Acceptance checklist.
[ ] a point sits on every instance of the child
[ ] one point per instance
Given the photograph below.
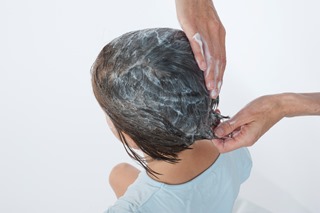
(153, 93)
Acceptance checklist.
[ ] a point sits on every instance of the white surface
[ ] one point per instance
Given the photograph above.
(56, 151)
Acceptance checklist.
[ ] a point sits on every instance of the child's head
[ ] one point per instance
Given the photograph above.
(149, 85)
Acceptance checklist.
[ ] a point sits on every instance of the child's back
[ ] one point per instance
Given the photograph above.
(153, 92)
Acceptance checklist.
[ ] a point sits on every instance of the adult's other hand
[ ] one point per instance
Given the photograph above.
(206, 34)
(250, 123)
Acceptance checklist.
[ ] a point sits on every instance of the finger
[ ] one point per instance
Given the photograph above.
(216, 76)
(218, 81)
(223, 48)
(218, 59)
(212, 52)
(197, 47)
(226, 127)
(228, 146)
(196, 43)
(218, 73)
(208, 74)
(242, 138)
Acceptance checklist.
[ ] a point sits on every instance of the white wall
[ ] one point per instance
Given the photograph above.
(56, 151)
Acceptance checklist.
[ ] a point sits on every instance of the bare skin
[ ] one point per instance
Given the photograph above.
(255, 119)
(121, 177)
(193, 162)
(206, 34)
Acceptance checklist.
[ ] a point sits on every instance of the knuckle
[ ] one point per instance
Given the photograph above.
(216, 26)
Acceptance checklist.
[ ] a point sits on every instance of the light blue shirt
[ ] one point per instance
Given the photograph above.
(214, 190)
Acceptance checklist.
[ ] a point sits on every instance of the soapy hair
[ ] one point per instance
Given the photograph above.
(152, 89)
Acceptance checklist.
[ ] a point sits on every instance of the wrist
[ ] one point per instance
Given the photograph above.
(298, 104)
(286, 103)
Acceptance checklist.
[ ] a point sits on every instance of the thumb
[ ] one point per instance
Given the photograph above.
(226, 127)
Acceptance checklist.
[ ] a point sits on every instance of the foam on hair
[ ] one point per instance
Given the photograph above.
(151, 87)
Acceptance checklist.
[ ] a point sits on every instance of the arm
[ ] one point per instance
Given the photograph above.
(302, 104)
(206, 34)
(250, 123)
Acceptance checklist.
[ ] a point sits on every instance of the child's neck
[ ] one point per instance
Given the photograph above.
(193, 162)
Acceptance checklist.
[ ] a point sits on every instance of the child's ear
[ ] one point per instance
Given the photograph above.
(130, 141)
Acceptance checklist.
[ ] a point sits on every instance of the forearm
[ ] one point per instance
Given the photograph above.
(299, 104)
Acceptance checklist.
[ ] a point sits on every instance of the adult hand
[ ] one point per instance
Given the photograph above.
(206, 34)
(250, 123)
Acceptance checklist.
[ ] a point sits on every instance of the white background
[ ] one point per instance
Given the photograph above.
(55, 148)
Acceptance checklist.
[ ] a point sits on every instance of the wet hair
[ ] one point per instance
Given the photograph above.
(152, 89)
